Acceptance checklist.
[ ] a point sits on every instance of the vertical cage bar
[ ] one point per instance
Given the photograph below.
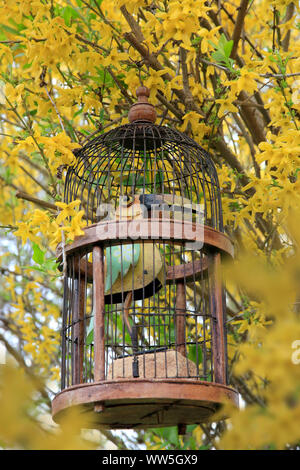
(79, 329)
(64, 334)
(217, 313)
(180, 317)
(99, 310)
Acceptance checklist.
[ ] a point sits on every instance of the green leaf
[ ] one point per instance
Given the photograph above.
(38, 254)
(169, 434)
(195, 353)
(228, 48)
(51, 264)
(10, 30)
(219, 57)
(3, 36)
(222, 41)
(68, 14)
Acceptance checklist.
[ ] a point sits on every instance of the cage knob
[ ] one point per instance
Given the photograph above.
(142, 110)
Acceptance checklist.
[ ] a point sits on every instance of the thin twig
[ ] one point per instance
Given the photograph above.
(55, 107)
(185, 80)
(35, 180)
(119, 85)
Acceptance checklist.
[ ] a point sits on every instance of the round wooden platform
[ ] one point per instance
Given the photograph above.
(111, 232)
(144, 403)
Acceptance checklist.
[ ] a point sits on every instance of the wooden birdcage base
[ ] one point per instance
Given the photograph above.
(144, 403)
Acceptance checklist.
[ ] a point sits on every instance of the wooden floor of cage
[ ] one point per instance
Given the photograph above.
(144, 403)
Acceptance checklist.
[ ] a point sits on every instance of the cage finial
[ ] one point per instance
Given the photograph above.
(142, 110)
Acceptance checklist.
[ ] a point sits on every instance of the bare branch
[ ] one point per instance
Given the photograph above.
(35, 180)
(135, 28)
(120, 86)
(289, 14)
(153, 62)
(38, 202)
(238, 27)
(185, 79)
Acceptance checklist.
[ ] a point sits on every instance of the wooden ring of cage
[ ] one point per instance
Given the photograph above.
(112, 232)
(149, 403)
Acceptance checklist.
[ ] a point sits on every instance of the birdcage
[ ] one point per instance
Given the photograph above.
(144, 314)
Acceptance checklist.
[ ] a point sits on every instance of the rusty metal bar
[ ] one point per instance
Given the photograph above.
(180, 317)
(217, 312)
(99, 309)
(79, 306)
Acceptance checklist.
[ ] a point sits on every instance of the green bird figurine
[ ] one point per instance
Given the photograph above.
(129, 270)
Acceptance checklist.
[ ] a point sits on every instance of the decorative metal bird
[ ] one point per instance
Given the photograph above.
(130, 270)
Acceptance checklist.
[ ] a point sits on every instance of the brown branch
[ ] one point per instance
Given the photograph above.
(19, 41)
(246, 393)
(153, 62)
(185, 80)
(257, 52)
(35, 180)
(289, 14)
(230, 158)
(89, 43)
(248, 115)
(238, 27)
(38, 202)
(251, 120)
(114, 439)
(135, 28)
(249, 142)
(264, 112)
(119, 85)
(176, 111)
(34, 165)
(9, 227)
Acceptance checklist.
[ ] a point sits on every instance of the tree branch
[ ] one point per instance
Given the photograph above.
(119, 85)
(238, 27)
(185, 80)
(135, 27)
(35, 180)
(151, 59)
(289, 14)
(38, 202)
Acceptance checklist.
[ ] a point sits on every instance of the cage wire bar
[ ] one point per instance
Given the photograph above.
(145, 309)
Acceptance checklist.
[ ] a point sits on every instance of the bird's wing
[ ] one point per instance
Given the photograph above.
(118, 260)
(147, 267)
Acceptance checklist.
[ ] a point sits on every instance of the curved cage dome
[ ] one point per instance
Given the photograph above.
(144, 159)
